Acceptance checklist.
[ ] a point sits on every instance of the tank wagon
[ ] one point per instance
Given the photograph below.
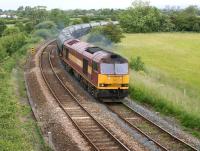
(102, 73)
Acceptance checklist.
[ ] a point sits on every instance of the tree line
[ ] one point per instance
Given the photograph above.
(141, 17)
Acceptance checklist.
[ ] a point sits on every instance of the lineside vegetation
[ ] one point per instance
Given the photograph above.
(170, 81)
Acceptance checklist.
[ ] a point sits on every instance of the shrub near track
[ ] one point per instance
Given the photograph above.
(171, 82)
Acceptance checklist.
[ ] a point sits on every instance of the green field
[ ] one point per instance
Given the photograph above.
(172, 80)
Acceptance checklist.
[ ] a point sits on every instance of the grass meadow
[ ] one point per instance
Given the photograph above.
(171, 83)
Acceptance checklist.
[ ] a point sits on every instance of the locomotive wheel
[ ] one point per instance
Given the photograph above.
(91, 90)
(83, 84)
(63, 63)
(95, 93)
(68, 68)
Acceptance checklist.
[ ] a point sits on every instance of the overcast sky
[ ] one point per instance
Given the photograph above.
(89, 4)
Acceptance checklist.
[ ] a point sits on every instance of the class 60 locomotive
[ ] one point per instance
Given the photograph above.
(102, 73)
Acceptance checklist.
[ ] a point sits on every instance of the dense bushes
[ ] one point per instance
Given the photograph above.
(44, 33)
(12, 43)
(11, 31)
(107, 34)
(46, 25)
(137, 64)
(2, 27)
(46, 29)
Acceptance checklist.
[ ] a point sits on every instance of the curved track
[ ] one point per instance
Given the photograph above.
(150, 130)
(97, 136)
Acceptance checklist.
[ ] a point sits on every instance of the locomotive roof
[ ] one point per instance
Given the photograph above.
(94, 53)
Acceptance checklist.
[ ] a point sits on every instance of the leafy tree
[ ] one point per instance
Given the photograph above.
(29, 26)
(11, 31)
(142, 17)
(59, 17)
(166, 24)
(106, 34)
(21, 8)
(46, 29)
(36, 14)
(191, 10)
(96, 36)
(2, 27)
(46, 25)
(113, 32)
(184, 21)
(44, 33)
(196, 27)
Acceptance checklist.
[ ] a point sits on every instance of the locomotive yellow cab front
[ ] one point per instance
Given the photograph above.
(113, 81)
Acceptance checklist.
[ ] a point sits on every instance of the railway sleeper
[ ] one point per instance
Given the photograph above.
(80, 117)
(85, 123)
(72, 108)
(102, 140)
(92, 130)
(89, 126)
(111, 148)
(98, 134)
(110, 143)
(79, 113)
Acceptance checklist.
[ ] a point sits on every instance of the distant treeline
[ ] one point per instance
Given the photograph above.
(139, 17)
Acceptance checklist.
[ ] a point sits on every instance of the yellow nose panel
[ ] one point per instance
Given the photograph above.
(113, 79)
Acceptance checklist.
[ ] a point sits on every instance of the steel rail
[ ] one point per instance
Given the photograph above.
(137, 129)
(162, 129)
(154, 124)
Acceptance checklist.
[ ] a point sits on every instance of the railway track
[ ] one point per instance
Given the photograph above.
(150, 130)
(97, 136)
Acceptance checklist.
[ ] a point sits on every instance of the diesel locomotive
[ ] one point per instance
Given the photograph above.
(103, 73)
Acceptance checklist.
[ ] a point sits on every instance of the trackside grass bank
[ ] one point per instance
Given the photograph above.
(18, 130)
(171, 83)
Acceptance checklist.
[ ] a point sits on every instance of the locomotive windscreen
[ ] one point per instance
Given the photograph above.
(114, 68)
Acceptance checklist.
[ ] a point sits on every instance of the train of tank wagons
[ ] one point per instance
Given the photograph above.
(102, 73)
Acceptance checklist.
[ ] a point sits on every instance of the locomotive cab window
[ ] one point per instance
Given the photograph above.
(95, 66)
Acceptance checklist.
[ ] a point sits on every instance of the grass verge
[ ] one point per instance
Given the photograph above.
(18, 129)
